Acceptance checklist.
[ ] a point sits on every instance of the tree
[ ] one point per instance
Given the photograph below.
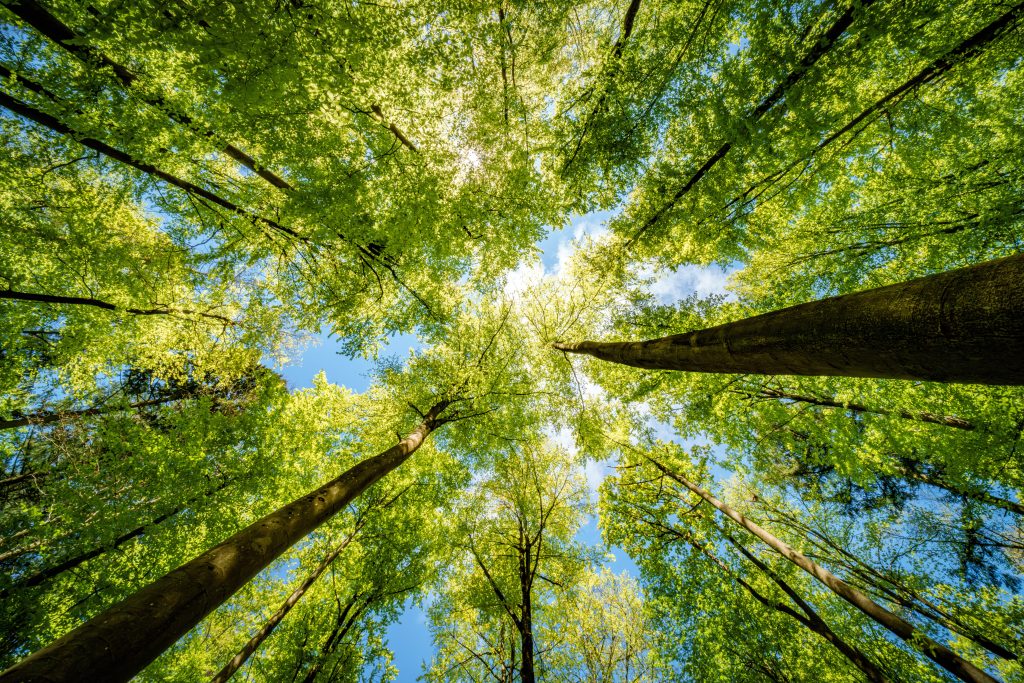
(958, 326)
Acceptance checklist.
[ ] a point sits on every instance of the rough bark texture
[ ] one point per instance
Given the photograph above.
(965, 325)
(121, 641)
(941, 655)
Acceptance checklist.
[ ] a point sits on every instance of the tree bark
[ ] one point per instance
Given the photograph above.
(36, 16)
(944, 420)
(526, 671)
(811, 57)
(250, 647)
(69, 564)
(47, 121)
(913, 636)
(964, 325)
(120, 642)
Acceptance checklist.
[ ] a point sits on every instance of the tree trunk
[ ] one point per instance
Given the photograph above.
(962, 52)
(120, 642)
(525, 624)
(809, 619)
(250, 647)
(98, 303)
(813, 620)
(979, 496)
(944, 420)
(36, 16)
(44, 119)
(811, 57)
(49, 417)
(913, 636)
(69, 564)
(964, 325)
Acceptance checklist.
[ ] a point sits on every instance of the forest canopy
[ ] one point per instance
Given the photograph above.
(737, 284)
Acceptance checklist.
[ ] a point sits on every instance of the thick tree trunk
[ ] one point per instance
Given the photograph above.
(36, 16)
(909, 633)
(250, 647)
(120, 642)
(964, 325)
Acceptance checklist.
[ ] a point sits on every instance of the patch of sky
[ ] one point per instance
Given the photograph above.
(323, 354)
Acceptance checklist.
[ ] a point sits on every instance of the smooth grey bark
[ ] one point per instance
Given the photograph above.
(120, 642)
(964, 325)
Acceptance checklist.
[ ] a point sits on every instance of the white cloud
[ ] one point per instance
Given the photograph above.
(671, 286)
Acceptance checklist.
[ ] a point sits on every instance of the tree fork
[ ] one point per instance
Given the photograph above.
(36, 16)
(964, 325)
(120, 642)
(938, 653)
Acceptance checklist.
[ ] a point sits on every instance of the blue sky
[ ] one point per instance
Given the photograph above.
(409, 638)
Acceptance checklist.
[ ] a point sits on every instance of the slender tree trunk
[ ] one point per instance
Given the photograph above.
(120, 642)
(811, 57)
(47, 121)
(809, 619)
(944, 420)
(913, 636)
(49, 417)
(36, 16)
(979, 496)
(964, 325)
(107, 306)
(962, 52)
(250, 647)
(812, 620)
(346, 618)
(71, 563)
(525, 624)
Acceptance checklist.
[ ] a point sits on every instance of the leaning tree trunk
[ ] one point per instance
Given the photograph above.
(254, 643)
(120, 642)
(940, 654)
(964, 325)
